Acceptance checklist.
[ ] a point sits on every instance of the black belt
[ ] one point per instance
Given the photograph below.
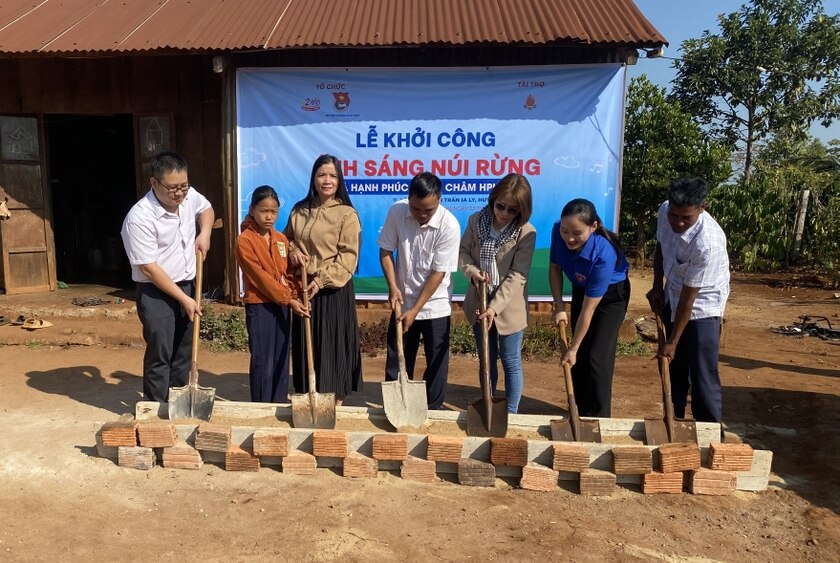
(181, 284)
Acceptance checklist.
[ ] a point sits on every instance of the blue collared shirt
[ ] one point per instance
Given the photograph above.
(593, 267)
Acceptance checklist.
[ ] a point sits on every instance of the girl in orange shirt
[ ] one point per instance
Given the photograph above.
(262, 254)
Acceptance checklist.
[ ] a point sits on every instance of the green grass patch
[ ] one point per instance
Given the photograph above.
(224, 332)
(636, 347)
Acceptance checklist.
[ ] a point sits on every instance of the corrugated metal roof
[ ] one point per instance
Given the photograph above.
(98, 26)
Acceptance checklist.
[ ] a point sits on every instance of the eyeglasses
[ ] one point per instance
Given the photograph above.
(502, 208)
(183, 188)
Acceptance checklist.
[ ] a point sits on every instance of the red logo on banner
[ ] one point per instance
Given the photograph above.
(530, 102)
(342, 100)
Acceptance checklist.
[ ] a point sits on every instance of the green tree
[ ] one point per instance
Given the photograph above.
(794, 166)
(772, 68)
(759, 216)
(661, 143)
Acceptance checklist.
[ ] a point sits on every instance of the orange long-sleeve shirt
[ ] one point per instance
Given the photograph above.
(264, 264)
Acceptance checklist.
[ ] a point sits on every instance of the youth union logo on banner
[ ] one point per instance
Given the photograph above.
(341, 100)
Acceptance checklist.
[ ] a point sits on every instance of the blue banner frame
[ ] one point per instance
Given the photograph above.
(561, 126)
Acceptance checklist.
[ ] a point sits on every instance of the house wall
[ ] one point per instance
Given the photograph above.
(184, 86)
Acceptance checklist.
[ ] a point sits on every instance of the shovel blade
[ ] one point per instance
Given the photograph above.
(684, 431)
(313, 410)
(405, 403)
(590, 431)
(191, 401)
(561, 431)
(477, 423)
(656, 432)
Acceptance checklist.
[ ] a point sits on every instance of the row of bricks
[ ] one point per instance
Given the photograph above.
(471, 472)
(629, 460)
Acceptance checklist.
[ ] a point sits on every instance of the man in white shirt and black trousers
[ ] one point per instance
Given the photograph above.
(691, 256)
(426, 237)
(159, 234)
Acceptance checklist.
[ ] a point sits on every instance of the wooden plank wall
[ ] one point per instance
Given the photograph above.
(183, 85)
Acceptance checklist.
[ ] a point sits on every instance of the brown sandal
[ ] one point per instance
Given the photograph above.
(34, 324)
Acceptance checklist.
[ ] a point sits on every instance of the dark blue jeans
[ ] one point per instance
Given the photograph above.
(508, 348)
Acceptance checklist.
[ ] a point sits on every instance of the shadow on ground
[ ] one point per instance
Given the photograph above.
(119, 391)
(800, 428)
(750, 364)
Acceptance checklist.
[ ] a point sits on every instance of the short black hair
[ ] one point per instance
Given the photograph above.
(263, 192)
(423, 185)
(688, 192)
(165, 162)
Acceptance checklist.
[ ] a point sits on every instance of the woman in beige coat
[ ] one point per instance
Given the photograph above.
(324, 235)
(497, 248)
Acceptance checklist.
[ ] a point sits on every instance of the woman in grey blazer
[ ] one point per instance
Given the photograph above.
(497, 248)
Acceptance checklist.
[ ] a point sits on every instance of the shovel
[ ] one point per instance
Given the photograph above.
(574, 429)
(311, 410)
(193, 401)
(664, 430)
(487, 416)
(404, 400)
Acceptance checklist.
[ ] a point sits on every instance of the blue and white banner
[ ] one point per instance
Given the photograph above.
(560, 126)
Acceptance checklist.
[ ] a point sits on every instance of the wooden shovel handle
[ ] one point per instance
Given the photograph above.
(199, 275)
(564, 337)
(307, 334)
(399, 337)
(574, 417)
(485, 346)
(665, 376)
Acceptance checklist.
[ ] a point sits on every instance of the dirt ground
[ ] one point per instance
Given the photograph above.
(58, 501)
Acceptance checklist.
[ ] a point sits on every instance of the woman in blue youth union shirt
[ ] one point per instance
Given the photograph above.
(594, 262)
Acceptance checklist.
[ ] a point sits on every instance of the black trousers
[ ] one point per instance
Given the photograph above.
(167, 331)
(435, 333)
(695, 368)
(592, 374)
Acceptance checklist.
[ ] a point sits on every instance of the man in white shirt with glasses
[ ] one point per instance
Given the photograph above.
(159, 234)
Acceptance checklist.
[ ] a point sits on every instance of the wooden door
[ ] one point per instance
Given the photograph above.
(153, 133)
(26, 238)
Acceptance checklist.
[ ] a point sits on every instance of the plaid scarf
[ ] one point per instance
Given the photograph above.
(489, 246)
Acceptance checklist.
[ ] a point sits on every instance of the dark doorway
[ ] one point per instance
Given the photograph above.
(92, 179)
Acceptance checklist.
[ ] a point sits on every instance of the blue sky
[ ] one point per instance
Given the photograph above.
(678, 20)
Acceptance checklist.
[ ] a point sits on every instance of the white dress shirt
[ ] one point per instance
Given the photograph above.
(421, 250)
(696, 258)
(153, 235)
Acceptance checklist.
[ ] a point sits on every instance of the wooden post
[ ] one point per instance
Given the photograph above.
(801, 213)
